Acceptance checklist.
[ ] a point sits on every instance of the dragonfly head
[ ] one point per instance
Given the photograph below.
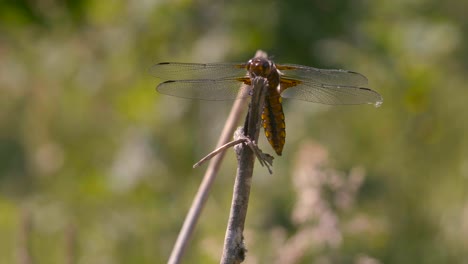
(259, 67)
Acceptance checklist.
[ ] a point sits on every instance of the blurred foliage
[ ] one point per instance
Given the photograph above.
(86, 144)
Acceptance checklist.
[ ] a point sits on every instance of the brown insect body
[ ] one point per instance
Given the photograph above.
(272, 116)
(222, 81)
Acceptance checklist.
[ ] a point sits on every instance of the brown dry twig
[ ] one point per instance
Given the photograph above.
(205, 186)
(234, 249)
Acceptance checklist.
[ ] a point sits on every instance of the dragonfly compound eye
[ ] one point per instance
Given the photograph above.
(266, 67)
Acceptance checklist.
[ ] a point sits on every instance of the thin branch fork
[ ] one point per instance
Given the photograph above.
(265, 159)
(234, 249)
(219, 150)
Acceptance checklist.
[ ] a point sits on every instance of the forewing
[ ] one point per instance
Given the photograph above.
(326, 77)
(329, 94)
(223, 89)
(194, 71)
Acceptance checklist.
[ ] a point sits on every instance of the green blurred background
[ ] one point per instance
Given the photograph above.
(96, 167)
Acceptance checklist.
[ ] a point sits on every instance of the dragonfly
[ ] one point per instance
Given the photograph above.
(229, 81)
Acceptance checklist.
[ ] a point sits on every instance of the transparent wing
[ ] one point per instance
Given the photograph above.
(192, 71)
(222, 89)
(329, 94)
(326, 77)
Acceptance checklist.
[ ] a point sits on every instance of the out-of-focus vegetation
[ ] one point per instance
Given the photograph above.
(95, 166)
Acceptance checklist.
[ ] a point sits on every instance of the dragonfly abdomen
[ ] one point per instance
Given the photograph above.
(273, 121)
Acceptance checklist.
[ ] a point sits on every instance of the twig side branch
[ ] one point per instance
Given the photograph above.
(219, 150)
(234, 250)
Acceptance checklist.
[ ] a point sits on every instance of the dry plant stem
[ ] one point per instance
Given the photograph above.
(24, 247)
(234, 250)
(70, 243)
(205, 186)
(202, 194)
